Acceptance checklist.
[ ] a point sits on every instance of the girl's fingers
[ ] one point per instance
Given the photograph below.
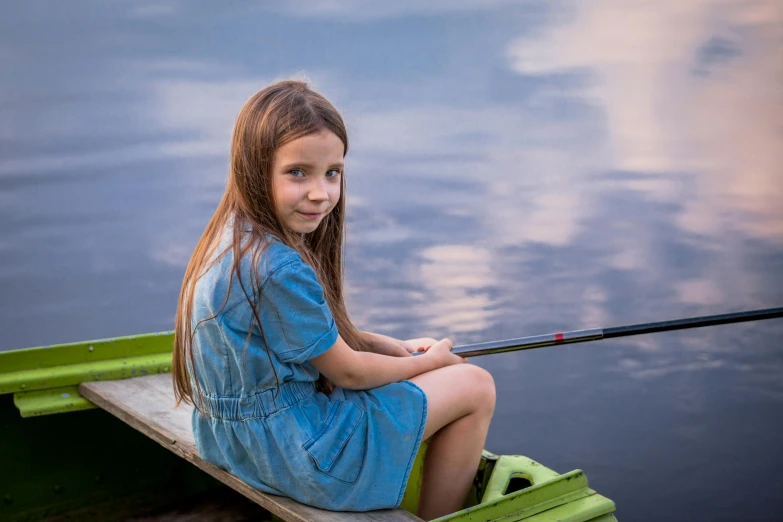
(420, 344)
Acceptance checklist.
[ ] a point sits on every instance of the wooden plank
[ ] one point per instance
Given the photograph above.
(147, 404)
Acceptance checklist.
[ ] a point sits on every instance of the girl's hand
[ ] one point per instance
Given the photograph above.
(442, 350)
(421, 344)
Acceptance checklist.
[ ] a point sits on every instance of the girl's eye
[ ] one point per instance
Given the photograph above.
(332, 173)
(297, 173)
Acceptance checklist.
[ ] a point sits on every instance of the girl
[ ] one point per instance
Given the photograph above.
(288, 395)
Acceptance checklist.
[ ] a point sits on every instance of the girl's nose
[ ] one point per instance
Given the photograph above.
(317, 192)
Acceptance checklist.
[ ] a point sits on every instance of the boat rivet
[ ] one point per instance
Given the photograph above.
(57, 488)
(7, 498)
(90, 348)
(23, 386)
(97, 478)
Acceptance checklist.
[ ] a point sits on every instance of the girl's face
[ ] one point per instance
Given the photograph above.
(306, 176)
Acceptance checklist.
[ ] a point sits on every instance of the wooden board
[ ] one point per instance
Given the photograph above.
(147, 404)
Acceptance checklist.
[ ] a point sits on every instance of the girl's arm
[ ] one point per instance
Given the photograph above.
(364, 370)
(385, 345)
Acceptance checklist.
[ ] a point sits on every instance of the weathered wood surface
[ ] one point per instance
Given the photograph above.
(147, 404)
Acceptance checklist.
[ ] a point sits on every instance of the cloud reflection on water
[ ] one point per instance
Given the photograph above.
(701, 132)
(675, 98)
(359, 10)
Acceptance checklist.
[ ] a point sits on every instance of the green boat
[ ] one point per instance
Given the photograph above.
(91, 465)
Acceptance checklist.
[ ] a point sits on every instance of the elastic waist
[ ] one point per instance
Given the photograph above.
(259, 405)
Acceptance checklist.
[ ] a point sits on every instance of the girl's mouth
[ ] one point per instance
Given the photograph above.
(307, 215)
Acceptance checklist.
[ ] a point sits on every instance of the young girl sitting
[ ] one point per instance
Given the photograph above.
(289, 396)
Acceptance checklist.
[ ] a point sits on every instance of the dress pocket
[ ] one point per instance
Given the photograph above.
(339, 446)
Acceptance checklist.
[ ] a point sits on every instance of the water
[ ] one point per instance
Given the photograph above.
(516, 168)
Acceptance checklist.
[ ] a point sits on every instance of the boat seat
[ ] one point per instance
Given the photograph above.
(147, 404)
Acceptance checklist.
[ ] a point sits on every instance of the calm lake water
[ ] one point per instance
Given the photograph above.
(516, 168)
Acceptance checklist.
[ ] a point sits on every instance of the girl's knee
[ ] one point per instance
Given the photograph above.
(483, 387)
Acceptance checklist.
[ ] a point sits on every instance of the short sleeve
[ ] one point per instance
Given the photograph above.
(298, 324)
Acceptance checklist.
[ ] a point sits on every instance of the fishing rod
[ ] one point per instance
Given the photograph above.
(596, 334)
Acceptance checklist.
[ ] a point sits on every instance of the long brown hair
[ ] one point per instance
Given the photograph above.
(276, 115)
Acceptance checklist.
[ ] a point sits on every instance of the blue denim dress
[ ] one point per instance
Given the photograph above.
(348, 451)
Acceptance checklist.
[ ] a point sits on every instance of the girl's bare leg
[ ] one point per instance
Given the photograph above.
(460, 403)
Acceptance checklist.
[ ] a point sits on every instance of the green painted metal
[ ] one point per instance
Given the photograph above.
(53, 377)
(86, 351)
(586, 509)
(509, 467)
(548, 496)
(49, 368)
(51, 400)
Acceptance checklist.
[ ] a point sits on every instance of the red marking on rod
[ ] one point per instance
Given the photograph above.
(559, 338)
